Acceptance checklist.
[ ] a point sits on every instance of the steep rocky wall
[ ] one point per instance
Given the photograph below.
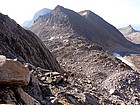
(16, 42)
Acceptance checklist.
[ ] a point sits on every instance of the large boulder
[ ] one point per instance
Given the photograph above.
(13, 72)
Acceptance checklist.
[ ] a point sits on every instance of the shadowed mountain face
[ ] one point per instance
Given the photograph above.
(15, 42)
(131, 34)
(87, 25)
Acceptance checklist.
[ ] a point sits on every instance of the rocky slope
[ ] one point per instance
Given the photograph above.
(22, 54)
(131, 34)
(41, 12)
(30, 75)
(79, 43)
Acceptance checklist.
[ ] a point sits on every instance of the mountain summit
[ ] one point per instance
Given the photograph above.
(90, 26)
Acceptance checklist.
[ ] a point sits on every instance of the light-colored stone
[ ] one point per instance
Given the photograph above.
(42, 78)
(52, 73)
(123, 103)
(55, 73)
(13, 72)
(49, 80)
(111, 91)
(2, 59)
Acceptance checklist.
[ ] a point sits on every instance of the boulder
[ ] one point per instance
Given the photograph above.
(13, 72)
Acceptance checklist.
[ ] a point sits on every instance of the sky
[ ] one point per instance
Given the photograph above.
(119, 13)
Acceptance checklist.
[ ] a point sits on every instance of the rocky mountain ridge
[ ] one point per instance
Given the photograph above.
(82, 46)
(98, 31)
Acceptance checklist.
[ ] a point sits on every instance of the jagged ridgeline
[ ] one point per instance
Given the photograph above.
(86, 24)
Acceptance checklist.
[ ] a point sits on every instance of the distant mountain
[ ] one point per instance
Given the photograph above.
(131, 34)
(41, 12)
(127, 30)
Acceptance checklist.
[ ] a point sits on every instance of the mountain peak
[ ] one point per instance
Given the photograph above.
(130, 25)
(131, 28)
(66, 11)
(58, 7)
(127, 30)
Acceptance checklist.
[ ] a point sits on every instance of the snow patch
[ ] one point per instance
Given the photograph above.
(85, 13)
(123, 60)
(51, 38)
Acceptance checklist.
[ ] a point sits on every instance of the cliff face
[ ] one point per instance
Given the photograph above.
(15, 42)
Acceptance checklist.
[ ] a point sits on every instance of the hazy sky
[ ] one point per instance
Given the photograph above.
(117, 12)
